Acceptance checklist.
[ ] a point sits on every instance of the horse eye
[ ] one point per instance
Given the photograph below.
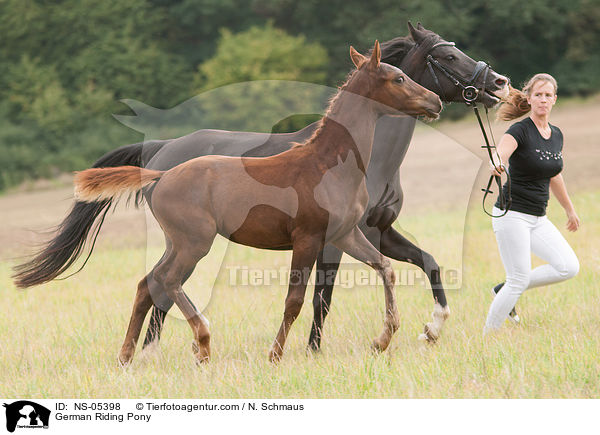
(399, 79)
(450, 57)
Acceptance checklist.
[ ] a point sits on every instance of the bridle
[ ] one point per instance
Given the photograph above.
(470, 93)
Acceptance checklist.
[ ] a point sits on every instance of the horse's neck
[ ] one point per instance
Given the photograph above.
(391, 141)
(393, 134)
(348, 126)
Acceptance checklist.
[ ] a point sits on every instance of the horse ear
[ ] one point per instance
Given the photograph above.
(420, 26)
(375, 56)
(411, 29)
(417, 36)
(357, 58)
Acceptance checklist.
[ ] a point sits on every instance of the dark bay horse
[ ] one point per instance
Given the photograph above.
(302, 199)
(391, 141)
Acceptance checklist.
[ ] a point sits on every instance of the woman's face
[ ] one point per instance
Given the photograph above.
(542, 98)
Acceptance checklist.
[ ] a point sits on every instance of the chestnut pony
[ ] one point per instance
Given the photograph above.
(412, 53)
(302, 199)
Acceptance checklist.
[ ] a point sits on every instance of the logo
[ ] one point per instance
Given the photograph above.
(26, 414)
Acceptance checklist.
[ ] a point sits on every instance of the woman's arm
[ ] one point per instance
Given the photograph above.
(505, 148)
(558, 188)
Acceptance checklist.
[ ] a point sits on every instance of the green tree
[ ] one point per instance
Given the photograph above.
(63, 66)
(191, 27)
(264, 56)
(578, 71)
(262, 53)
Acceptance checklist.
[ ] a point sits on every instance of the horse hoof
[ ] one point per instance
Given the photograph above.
(377, 347)
(123, 362)
(274, 357)
(202, 354)
(428, 334)
(202, 360)
(312, 350)
(424, 338)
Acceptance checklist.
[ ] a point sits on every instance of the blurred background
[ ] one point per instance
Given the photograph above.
(66, 64)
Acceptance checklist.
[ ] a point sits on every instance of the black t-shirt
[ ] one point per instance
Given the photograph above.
(531, 166)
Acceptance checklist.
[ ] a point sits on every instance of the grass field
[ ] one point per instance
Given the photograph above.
(61, 339)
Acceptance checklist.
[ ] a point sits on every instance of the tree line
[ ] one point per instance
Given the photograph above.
(66, 64)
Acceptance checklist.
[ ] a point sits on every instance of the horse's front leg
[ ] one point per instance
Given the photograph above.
(305, 251)
(356, 245)
(396, 246)
(328, 263)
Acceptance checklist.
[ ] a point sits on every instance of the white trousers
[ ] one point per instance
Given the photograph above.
(518, 235)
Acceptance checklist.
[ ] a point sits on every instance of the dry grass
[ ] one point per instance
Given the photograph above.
(61, 339)
(71, 331)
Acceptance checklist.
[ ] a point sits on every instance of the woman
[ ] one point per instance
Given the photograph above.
(533, 149)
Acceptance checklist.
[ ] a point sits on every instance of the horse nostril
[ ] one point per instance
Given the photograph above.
(500, 82)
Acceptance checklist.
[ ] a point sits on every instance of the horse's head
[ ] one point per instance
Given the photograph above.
(442, 68)
(392, 88)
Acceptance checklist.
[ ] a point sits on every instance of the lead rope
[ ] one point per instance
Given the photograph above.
(505, 201)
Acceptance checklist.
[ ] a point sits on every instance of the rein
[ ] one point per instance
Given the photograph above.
(469, 94)
(505, 201)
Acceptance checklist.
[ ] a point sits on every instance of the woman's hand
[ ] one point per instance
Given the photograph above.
(573, 221)
(557, 185)
(496, 170)
(505, 148)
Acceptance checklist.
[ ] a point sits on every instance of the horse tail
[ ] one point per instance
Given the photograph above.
(98, 184)
(71, 236)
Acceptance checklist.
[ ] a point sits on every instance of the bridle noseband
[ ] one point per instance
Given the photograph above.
(470, 93)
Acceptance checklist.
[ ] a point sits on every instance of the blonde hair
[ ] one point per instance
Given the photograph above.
(516, 104)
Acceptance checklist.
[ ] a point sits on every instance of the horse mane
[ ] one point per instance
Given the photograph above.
(328, 111)
(395, 50)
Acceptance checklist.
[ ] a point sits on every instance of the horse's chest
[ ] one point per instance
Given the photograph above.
(346, 209)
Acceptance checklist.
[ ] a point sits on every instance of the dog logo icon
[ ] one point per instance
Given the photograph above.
(26, 414)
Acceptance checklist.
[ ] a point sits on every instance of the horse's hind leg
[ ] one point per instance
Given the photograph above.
(328, 263)
(396, 246)
(162, 304)
(356, 245)
(141, 305)
(191, 240)
(170, 275)
(158, 316)
(157, 320)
